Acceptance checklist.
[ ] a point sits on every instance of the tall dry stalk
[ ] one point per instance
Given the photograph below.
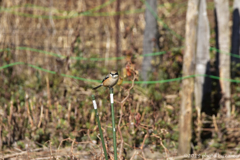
(121, 114)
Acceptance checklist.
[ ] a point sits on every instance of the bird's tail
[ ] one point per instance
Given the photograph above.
(97, 87)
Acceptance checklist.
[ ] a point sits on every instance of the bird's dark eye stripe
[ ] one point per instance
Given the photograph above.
(114, 73)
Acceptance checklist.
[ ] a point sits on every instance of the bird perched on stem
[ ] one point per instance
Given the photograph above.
(110, 80)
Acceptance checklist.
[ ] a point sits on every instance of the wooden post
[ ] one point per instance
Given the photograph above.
(222, 10)
(185, 122)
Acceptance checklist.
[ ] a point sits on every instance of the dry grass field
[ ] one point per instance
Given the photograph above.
(51, 54)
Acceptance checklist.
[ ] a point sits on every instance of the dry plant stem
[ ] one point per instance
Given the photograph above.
(215, 123)
(44, 158)
(136, 152)
(44, 144)
(199, 126)
(73, 142)
(9, 123)
(145, 137)
(72, 155)
(18, 154)
(28, 153)
(49, 97)
(41, 116)
(143, 156)
(51, 150)
(10, 114)
(88, 133)
(29, 113)
(69, 112)
(62, 142)
(121, 114)
(165, 149)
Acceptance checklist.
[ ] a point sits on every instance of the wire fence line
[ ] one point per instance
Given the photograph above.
(136, 82)
(71, 14)
(103, 59)
(77, 57)
(89, 12)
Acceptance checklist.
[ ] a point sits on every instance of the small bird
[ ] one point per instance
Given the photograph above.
(109, 81)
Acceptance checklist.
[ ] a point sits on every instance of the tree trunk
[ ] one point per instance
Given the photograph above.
(151, 34)
(222, 10)
(185, 122)
(202, 84)
(202, 55)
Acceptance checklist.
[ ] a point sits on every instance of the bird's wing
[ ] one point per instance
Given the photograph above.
(105, 78)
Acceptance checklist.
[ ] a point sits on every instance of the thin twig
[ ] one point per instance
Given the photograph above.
(49, 97)
(95, 153)
(29, 111)
(10, 114)
(69, 112)
(145, 137)
(136, 152)
(41, 116)
(121, 114)
(51, 150)
(215, 124)
(72, 155)
(165, 149)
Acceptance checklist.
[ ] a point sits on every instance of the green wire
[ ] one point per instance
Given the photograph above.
(161, 21)
(113, 58)
(90, 12)
(103, 59)
(73, 14)
(136, 82)
(11, 64)
(53, 10)
(40, 51)
(79, 58)
(2, 9)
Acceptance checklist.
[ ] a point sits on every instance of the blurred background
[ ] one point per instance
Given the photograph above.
(179, 54)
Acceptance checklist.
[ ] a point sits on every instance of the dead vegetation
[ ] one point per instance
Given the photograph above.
(45, 115)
